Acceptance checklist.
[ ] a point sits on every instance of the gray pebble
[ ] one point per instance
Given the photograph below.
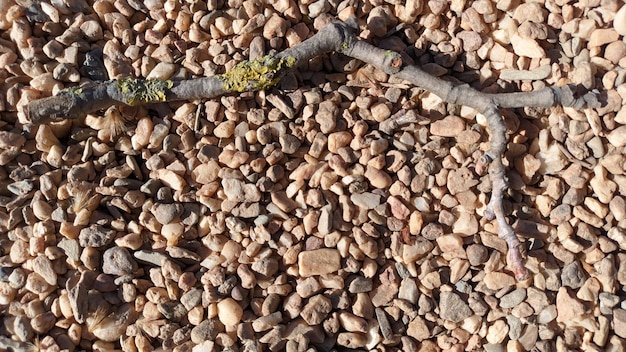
(118, 261)
(95, 236)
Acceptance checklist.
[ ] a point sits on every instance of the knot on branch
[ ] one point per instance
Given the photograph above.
(576, 97)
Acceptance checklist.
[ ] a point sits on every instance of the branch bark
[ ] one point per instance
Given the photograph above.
(340, 37)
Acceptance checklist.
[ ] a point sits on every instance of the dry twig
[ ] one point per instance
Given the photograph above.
(267, 71)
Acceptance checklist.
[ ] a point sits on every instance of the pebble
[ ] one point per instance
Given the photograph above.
(267, 322)
(206, 330)
(352, 323)
(477, 254)
(617, 137)
(43, 266)
(602, 36)
(539, 73)
(316, 310)
(229, 312)
(162, 71)
(365, 200)
(289, 143)
(496, 280)
(619, 322)
(398, 209)
(408, 290)
(573, 275)
(527, 47)
(378, 178)
(497, 332)
(113, 326)
(619, 21)
(569, 309)
(513, 299)
(418, 329)
(615, 51)
(452, 307)
(118, 261)
(95, 236)
(449, 126)
(318, 262)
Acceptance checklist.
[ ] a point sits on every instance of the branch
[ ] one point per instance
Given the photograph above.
(267, 71)
(253, 75)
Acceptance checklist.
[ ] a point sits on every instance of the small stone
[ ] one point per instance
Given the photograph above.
(352, 323)
(569, 308)
(141, 138)
(408, 290)
(477, 254)
(602, 36)
(619, 21)
(265, 266)
(617, 137)
(450, 243)
(411, 253)
(452, 307)
(497, 332)
(172, 232)
(615, 51)
(573, 275)
(206, 173)
(471, 40)
(319, 262)
(378, 178)
(532, 12)
(289, 143)
(450, 126)
(325, 221)
(619, 322)
(43, 267)
(539, 73)
(172, 310)
(224, 129)
(351, 340)
(360, 284)
(496, 280)
(170, 179)
(527, 47)
(167, 213)
(461, 180)
(10, 139)
(365, 200)
(162, 71)
(229, 312)
(113, 326)
(206, 330)
(118, 261)
(398, 209)
(380, 112)
(418, 329)
(513, 299)
(105, 283)
(316, 310)
(95, 236)
(383, 294)
(338, 140)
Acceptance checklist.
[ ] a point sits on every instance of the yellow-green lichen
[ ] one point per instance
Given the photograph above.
(76, 90)
(137, 92)
(258, 74)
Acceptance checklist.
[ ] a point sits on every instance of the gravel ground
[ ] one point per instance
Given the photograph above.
(295, 219)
